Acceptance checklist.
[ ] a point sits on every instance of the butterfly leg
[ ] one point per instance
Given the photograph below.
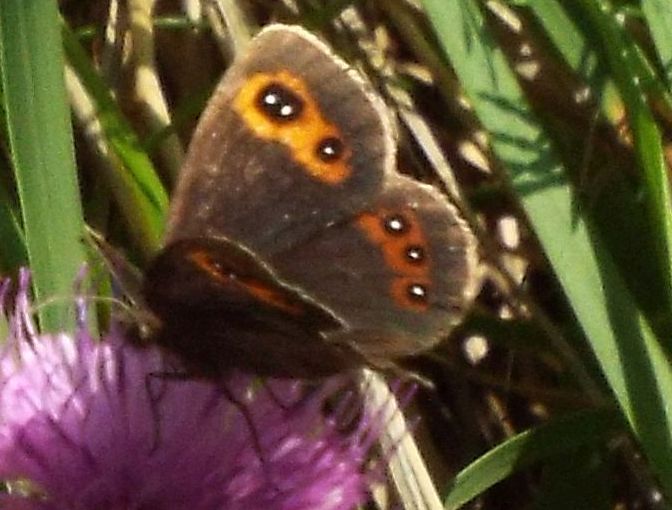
(155, 399)
(252, 429)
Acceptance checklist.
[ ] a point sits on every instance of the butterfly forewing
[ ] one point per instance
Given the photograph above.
(291, 142)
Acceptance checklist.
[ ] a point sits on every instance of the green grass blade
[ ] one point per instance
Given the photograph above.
(560, 437)
(622, 57)
(13, 253)
(626, 65)
(573, 46)
(136, 186)
(576, 42)
(658, 16)
(627, 350)
(40, 136)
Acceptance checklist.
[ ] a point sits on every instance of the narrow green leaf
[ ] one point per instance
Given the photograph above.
(136, 186)
(576, 41)
(658, 16)
(629, 354)
(559, 437)
(13, 252)
(38, 121)
(624, 63)
(567, 37)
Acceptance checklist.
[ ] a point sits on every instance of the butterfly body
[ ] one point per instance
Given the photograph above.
(295, 248)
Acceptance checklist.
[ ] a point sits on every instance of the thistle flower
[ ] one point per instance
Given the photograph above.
(84, 425)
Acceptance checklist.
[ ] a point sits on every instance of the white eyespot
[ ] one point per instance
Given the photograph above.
(415, 254)
(395, 224)
(287, 110)
(417, 291)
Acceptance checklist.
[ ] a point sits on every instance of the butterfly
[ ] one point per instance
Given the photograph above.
(294, 246)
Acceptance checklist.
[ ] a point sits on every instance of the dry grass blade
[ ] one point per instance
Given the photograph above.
(406, 467)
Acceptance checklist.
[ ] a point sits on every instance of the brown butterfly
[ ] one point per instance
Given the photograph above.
(294, 247)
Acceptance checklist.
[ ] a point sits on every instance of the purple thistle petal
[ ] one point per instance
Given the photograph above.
(83, 423)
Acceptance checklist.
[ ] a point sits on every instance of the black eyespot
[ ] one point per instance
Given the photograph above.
(415, 254)
(279, 102)
(330, 149)
(395, 224)
(417, 292)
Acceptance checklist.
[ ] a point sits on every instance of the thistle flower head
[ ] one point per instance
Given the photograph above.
(85, 425)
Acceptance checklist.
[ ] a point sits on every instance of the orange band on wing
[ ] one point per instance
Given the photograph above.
(394, 247)
(303, 135)
(259, 290)
(401, 290)
(270, 296)
(203, 261)
(405, 253)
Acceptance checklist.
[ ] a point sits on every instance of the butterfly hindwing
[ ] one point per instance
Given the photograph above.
(404, 267)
